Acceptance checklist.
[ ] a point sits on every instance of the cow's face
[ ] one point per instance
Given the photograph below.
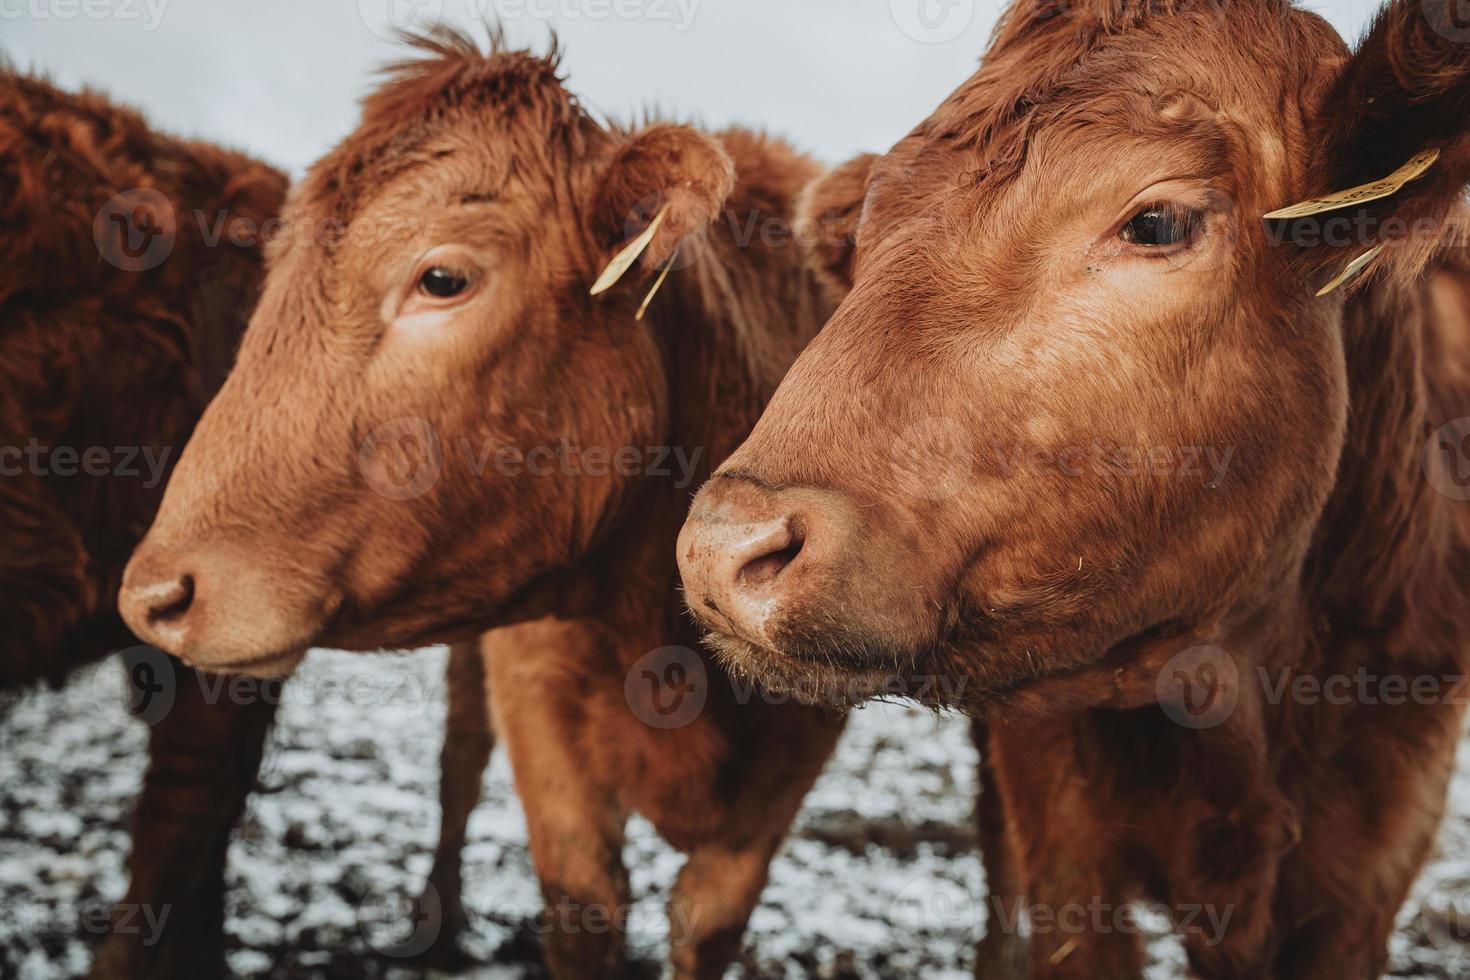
(1077, 397)
(424, 425)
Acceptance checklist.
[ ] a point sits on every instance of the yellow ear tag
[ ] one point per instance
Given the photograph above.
(624, 260)
(657, 283)
(1417, 166)
(1351, 269)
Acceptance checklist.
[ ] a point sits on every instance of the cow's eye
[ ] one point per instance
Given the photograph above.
(443, 283)
(1162, 224)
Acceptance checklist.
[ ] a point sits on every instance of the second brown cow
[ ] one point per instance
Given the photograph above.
(1110, 451)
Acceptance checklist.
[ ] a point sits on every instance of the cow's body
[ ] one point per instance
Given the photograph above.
(596, 728)
(562, 432)
(1307, 825)
(1233, 688)
(92, 355)
(121, 359)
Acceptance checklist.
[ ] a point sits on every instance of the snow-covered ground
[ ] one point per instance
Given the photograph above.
(879, 879)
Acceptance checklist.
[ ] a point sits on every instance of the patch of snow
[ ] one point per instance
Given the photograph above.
(879, 878)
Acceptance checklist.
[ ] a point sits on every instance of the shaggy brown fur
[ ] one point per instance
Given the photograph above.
(91, 356)
(282, 526)
(95, 356)
(984, 508)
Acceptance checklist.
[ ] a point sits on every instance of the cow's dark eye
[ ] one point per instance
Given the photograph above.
(443, 283)
(1162, 224)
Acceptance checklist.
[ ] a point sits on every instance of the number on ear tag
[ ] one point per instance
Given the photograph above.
(1417, 167)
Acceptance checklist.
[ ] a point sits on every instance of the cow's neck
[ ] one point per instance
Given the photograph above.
(730, 338)
(730, 319)
(730, 325)
(1389, 541)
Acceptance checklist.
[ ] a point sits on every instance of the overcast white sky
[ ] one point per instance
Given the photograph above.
(281, 78)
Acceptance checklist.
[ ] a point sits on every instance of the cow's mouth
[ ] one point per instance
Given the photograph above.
(267, 666)
(815, 678)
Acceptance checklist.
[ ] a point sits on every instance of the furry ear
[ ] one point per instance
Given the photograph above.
(1405, 91)
(664, 185)
(827, 217)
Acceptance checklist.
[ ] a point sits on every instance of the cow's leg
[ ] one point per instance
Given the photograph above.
(720, 884)
(574, 821)
(716, 891)
(1001, 955)
(1068, 857)
(576, 836)
(1223, 877)
(204, 756)
(1341, 912)
(468, 742)
(1344, 944)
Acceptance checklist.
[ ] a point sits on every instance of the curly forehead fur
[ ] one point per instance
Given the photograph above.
(1050, 58)
(453, 83)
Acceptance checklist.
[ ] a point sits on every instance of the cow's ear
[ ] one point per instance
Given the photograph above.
(1393, 139)
(664, 185)
(827, 218)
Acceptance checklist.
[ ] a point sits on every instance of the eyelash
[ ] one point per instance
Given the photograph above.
(464, 279)
(1180, 223)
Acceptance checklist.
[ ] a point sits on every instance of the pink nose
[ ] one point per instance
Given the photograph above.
(156, 602)
(732, 571)
(749, 555)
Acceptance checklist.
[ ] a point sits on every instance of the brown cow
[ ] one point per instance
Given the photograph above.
(994, 465)
(119, 318)
(117, 353)
(433, 429)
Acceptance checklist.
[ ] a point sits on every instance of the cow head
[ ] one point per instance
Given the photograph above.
(387, 462)
(1081, 395)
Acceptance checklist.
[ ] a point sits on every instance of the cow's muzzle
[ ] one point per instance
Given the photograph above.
(217, 610)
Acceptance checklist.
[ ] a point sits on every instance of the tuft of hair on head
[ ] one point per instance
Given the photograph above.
(452, 78)
(451, 68)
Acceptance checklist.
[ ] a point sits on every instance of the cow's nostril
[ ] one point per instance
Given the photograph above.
(762, 571)
(171, 601)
